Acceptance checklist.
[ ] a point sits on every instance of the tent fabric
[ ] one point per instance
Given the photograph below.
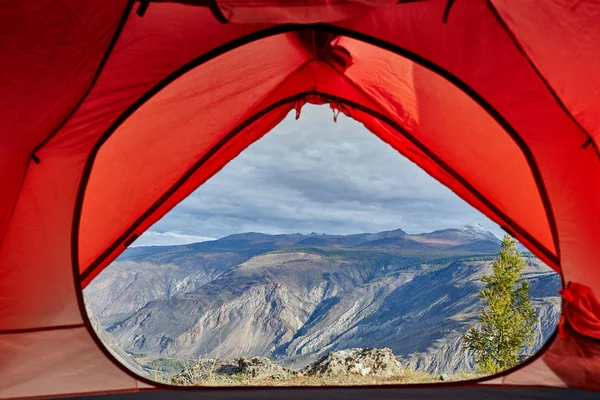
(572, 35)
(64, 361)
(295, 11)
(575, 359)
(113, 112)
(581, 309)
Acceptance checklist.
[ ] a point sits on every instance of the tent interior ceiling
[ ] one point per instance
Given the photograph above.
(113, 112)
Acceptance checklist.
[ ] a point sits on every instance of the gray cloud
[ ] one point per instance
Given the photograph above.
(314, 175)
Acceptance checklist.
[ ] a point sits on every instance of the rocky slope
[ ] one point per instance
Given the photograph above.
(295, 298)
(360, 366)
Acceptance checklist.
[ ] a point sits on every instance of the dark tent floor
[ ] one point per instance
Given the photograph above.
(463, 393)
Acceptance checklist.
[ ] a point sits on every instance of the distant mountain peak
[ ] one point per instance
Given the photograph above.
(477, 229)
(468, 232)
(474, 226)
(463, 234)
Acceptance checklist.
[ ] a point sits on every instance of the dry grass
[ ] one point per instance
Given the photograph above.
(408, 377)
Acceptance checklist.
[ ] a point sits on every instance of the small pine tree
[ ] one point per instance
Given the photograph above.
(506, 324)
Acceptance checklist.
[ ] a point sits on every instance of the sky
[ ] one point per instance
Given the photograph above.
(315, 175)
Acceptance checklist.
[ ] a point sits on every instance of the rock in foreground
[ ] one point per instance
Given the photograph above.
(356, 366)
(261, 368)
(209, 369)
(377, 362)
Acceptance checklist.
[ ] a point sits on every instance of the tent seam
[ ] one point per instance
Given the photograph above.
(312, 59)
(123, 238)
(33, 155)
(41, 329)
(369, 97)
(13, 206)
(539, 74)
(482, 102)
(103, 61)
(360, 89)
(201, 59)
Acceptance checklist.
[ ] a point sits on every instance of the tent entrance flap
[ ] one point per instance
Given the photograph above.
(451, 131)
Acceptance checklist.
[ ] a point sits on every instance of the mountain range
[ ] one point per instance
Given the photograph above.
(295, 297)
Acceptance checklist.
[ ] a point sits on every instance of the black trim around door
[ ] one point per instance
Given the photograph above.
(213, 151)
(78, 277)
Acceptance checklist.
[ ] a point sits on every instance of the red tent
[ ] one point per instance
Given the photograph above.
(114, 111)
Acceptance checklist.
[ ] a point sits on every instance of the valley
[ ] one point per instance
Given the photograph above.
(294, 298)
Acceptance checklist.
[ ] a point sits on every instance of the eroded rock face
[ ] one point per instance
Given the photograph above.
(380, 362)
(235, 298)
(262, 367)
